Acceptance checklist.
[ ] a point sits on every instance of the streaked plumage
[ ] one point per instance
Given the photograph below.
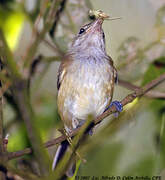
(86, 78)
(85, 88)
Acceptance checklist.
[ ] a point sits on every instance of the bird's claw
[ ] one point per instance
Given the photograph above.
(118, 106)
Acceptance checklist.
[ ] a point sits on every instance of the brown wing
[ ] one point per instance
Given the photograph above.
(66, 61)
(59, 76)
(115, 71)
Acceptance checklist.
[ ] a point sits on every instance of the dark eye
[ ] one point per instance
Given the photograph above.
(82, 30)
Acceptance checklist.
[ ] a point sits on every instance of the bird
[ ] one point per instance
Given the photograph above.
(85, 82)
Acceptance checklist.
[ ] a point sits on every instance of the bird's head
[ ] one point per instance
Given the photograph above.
(90, 35)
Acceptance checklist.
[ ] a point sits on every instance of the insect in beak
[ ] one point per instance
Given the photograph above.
(98, 14)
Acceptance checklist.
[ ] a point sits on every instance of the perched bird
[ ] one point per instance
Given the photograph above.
(86, 80)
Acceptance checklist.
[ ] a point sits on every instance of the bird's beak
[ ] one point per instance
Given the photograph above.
(96, 26)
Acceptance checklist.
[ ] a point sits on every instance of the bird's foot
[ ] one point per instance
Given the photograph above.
(89, 130)
(118, 106)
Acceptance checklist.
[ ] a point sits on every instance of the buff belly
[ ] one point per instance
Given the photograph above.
(86, 89)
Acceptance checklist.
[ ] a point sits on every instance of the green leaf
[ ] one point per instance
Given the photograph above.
(11, 23)
(154, 70)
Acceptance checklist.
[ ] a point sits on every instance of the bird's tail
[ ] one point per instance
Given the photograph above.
(58, 156)
(60, 153)
(63, 148)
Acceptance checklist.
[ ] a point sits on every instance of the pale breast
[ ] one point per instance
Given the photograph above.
(86, 89)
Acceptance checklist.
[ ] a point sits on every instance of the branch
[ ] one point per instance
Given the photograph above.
(150, 94)
(19, 88)
(59, 11)
(20, 93)
(1, 119)
(68, 156)
(7, 57)
(2, 150)
(38, 37)
(128, 99)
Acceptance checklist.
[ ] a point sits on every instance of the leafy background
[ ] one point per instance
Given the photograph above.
(137, 45)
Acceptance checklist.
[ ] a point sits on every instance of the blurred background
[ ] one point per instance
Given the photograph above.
(132, 144)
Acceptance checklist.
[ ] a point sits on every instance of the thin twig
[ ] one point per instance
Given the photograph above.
(2, 149)
(19, 87)
(22, 174)
(1, 118)
(21, 97)
(56, 20)
(128, 99)
(35, 40)
(150, 94)
(65, 161)
(53, 47)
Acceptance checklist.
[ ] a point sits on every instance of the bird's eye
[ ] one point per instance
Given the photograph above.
(82, 30)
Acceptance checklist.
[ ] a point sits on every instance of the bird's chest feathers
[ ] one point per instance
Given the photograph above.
(86, 89)
(90, 73)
